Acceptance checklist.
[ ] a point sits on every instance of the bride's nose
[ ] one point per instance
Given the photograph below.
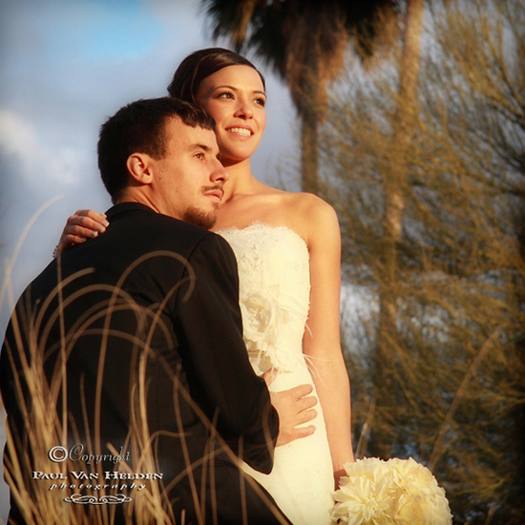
(244, 110)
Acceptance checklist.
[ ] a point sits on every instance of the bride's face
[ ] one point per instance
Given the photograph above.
(234, 96)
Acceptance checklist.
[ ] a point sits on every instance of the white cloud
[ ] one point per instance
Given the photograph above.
(14, 132)
(37, 162)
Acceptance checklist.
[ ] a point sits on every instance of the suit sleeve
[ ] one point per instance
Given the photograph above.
(228, 387)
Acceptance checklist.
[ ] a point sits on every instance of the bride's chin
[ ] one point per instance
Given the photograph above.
(229, 159)
(234, 154)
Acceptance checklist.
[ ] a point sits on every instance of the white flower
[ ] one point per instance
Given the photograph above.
(263, 319)
(393, 492)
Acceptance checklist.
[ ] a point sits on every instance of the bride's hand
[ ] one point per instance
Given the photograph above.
(80, 226)
(294, 407)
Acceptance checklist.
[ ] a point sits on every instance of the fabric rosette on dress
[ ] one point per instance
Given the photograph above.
(393, 492)
(266, 322)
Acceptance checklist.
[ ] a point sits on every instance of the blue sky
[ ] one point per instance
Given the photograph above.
(65, 67)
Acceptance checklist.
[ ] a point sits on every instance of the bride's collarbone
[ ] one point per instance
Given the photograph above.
(245, 210)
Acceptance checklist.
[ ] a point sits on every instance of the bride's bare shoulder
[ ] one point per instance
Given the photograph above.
(309, 215)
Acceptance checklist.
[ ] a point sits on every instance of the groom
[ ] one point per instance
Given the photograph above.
(139, 335)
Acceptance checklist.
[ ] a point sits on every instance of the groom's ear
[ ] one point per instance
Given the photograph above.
(140, 167)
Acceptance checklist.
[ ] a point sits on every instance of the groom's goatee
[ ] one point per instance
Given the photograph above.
(200, 218)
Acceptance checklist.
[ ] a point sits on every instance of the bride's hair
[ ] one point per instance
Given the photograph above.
(201, 64)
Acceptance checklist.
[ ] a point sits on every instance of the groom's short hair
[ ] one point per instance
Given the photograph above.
(140, 127)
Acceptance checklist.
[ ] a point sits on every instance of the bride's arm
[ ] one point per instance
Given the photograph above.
(80, 226)
(322, 341)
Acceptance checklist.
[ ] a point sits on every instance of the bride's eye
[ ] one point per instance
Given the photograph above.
(225, 94)
(261, 101)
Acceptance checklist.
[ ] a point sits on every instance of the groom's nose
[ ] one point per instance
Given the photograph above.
(219, 172)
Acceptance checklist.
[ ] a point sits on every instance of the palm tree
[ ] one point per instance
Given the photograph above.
(304, 41)
(394, 182)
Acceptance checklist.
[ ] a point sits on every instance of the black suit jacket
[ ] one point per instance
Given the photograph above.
(147, 316)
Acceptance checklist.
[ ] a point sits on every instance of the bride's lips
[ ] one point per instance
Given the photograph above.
(241, 131)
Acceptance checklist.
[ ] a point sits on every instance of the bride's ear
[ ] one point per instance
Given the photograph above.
(140, 167)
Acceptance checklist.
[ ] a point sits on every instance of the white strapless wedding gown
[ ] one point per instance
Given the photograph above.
(274, 290)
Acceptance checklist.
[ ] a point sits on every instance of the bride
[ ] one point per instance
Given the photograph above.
(288, 251)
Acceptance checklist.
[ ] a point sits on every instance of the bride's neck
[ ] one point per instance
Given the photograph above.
(241, 179)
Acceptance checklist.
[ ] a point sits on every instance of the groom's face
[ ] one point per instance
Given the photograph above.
(190, 177)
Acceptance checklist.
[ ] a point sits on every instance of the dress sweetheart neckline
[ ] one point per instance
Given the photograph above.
(263, 224)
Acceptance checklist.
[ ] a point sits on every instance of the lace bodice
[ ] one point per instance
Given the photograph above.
(274, 292)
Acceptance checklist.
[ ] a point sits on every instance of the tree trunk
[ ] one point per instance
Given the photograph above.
(394, 185)
(308, 101)
(309, 151)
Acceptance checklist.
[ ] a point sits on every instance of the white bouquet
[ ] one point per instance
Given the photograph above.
(393, 492)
